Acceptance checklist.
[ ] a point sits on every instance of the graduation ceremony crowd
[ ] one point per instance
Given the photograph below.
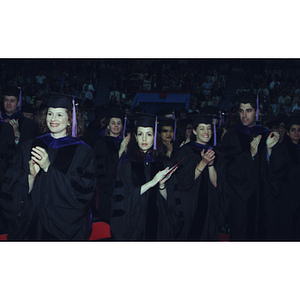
(176, 175)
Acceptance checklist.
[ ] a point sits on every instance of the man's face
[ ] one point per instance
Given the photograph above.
(294, 133)
(10, 104)
(247, 114)
(167, 133)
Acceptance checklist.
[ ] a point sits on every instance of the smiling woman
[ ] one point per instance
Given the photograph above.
(57, 121)
(48, 189)
(202, 178)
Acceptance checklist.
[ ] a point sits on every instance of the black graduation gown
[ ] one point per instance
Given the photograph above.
(204, 206)
(7, 146)
(107, 158)
(244, 183)
(283, 173)
(59, 204)
(147, 217)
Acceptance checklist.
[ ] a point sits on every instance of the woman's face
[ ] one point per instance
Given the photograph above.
(294, 133)
(115, 127)
(167, 133)
(57, 121)
(189, 130)
(145, 138)
(203, 133)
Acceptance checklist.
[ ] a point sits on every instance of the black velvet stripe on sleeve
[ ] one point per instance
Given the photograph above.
(64, 158)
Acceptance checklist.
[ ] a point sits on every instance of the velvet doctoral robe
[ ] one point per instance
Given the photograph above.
(146, 217)
(58, 207)
(245, 187)
(204, 206)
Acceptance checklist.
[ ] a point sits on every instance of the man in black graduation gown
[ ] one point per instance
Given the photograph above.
(24, 128)
(244, 147)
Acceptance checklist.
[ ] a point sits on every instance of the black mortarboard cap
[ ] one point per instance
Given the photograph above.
(144, 120)
(116, 113)
(59, 100)
(202, 119)
(27, 108)
(12, 91)
(56, 101)
(162, 121)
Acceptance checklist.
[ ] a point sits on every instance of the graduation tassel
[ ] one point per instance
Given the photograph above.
(257, 109)
(155, 134)
(125, 121)
(74, 123)
(20, 99)
(174, 126)
(215, 133)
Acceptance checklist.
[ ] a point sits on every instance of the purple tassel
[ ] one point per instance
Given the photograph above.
(174, 126)
(220, 122)
(74, 125)
(215, 133)
(20, 99)
(125, 121)
(155, 134)
(257, 104)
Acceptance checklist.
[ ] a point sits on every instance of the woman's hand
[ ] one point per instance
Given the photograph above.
(166, 177)
(34, 168)
(208, 157)
(124, 143)
(160, 176)
(40, 157)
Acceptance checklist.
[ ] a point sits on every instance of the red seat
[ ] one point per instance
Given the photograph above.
(100, 231)
(3, 237)
(224, 237)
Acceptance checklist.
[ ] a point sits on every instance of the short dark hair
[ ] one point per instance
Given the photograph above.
(246, 97)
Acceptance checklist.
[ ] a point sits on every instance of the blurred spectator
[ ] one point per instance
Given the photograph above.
(40, 78)
(207, 86)
(282, 99)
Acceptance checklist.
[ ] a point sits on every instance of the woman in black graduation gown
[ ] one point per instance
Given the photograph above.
(146, 204)
(47, 192)
(201, 180)
(108, 151)
(283, 172)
